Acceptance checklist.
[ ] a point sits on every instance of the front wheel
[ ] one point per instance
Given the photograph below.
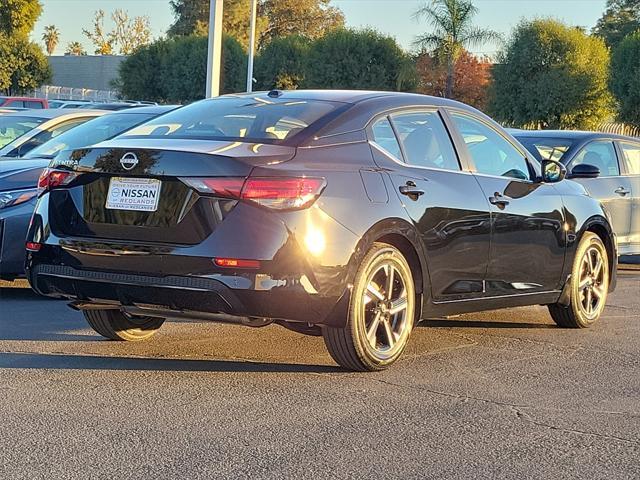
(588, 288)
(117, 325)
(381, 313)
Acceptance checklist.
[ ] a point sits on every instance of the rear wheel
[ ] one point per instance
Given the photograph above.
(116, 325)
(381, 313)
(588, 288)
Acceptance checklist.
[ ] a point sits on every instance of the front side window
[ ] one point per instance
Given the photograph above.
(385, 137)
(601, 155)
(244, 118)
(632, 157)
(491, 153)
(425, 140)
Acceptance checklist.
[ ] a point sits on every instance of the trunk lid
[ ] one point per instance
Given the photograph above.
(179, 214)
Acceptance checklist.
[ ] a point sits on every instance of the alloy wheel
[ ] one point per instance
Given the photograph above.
(592, 288)
(386, 308)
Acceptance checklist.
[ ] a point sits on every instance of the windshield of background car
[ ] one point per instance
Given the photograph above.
(251, 119)
(90, 133)
(12, 127)
(547, 148)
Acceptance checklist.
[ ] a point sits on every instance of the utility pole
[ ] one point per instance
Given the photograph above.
(214, 54)
(252, 44)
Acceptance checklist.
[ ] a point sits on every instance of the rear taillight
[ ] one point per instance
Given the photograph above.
(51, 178)
(281, 193)
(227, 187)
(33, 246)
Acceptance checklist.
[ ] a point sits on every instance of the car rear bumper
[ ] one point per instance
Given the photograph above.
(177, 296)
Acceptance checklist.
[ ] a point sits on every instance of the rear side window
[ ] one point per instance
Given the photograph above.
(253, 119)
(384, 137)
(631, 157)
(601, 155)
(425, 140)
(15, 103)
(33, 104)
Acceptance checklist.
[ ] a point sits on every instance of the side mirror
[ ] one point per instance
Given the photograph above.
(584, 170)
(552, 171)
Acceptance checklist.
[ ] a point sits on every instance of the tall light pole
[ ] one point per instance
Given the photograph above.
(214, 54)
(252, 44)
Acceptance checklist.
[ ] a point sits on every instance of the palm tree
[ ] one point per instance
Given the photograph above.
(453, 32)
(75, 48)
(51, 37)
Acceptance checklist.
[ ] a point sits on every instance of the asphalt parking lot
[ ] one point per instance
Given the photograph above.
(499, 394)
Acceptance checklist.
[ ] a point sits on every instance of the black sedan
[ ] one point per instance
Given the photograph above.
(616, 183)
(19, 178)
(350, 215)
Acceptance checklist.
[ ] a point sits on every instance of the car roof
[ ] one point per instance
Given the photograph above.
(9, 97)
(570, 134)
(148, 109)
(51, 113)
(347, 96)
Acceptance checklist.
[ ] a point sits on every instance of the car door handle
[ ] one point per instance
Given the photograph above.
(622, 191)
(498, 200)
(411, 190)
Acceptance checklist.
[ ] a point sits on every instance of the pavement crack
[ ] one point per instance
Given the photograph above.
(517, 409)
(527, 418)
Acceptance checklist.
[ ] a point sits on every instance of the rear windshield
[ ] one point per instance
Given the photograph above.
(90, 133)
(547, 148)
(253, 119)
(12, 127)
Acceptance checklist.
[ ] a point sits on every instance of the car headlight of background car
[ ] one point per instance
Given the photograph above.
(16, 197)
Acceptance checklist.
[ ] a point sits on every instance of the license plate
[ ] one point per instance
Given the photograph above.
(139, 194)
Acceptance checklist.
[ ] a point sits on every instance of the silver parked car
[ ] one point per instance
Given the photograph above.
(615, 181)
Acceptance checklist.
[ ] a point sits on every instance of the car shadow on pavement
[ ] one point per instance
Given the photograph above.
(450, 323)
(44, 361)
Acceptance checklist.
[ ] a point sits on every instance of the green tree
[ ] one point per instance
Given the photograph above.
(18, 17)
(359, 59)
(51, 38)
(553, 76)
(621, 18)
(276, 18)
(309, 18)
(192, 18)
(23, 65)
(282, 64)
(75, 48)
(625, 78)
(453, 32)
(174, 70)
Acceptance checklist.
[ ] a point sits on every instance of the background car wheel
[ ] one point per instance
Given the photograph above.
(116, 325)
(589, 285)
(381, 313)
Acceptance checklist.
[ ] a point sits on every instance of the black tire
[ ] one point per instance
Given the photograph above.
(588, 289)
(116, 325)
(360, 345)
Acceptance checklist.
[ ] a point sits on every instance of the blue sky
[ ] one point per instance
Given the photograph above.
(393, 17)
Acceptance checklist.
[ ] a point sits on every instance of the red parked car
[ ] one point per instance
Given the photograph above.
(23, 102)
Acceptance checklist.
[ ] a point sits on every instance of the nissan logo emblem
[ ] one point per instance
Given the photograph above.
(129, 160)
